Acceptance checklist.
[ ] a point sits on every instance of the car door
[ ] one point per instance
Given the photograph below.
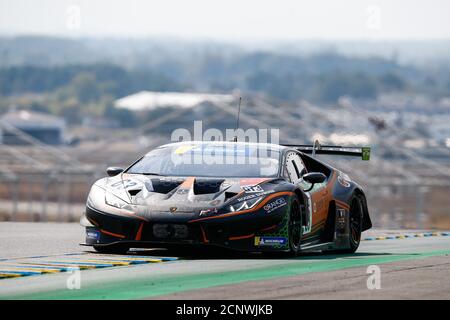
(294, 170)
(317, 196)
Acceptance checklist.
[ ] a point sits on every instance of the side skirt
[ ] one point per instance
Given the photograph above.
(341, 237)
(317, 247)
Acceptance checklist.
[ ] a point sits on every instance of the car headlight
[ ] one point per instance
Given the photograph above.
(114, 201)
(244, 205)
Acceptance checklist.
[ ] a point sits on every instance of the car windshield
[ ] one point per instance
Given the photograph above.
(210, 160)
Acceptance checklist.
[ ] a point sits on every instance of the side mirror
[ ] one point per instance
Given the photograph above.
(313, 178)
(113, 171)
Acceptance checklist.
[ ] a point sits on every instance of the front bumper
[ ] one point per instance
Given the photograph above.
(243, 234)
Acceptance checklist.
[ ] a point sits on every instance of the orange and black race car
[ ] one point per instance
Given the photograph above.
(243, 196)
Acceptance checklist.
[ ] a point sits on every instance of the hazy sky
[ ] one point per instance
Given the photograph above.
(230, 19)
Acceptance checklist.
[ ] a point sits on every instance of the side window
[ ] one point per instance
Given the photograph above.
(294, 166)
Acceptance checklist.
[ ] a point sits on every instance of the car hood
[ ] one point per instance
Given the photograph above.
(180, 194)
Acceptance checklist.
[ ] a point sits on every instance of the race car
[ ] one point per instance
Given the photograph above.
(244, 196)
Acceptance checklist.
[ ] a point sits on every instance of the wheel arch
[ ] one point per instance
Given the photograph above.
(367, 222)
(303, 202)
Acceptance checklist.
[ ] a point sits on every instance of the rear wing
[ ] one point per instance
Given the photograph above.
(316, 148)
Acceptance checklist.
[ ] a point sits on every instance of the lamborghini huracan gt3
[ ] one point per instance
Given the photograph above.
(242, 196)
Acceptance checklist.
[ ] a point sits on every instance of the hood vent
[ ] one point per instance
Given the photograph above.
(134, 192)
(162, 186)
(207, 186)
(229, 195)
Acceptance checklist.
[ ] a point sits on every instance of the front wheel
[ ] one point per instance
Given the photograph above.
(295, 227)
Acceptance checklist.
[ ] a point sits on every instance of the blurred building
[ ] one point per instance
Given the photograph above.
(100, 122)
(147, 100)
(41, 126)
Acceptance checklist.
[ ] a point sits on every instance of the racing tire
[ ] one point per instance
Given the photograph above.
(295, 229)
(356, 219)
(355, 225)
(112, 249)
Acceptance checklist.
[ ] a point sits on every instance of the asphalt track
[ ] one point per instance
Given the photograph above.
(37, 260)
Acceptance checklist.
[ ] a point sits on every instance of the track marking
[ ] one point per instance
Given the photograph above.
(127, 261)
(95, 262)
(28, 268)
(20, 272)
(49, 267)
(15, 267)
(45, 256)
(38, 265)
(145, 287)
(62, 265)
(408, 235)
(8, 275)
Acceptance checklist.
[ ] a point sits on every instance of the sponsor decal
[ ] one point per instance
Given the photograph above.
(255, 195)
(247, 197)
(343, 181)
(252, 189)
(215, 202)
(225, 185)
(208, 212)
(183, 149)
(182, 191)
(274, 205)
(224, 150)
(318, 205)
(125, 184)
(270, 241)
(92, 234)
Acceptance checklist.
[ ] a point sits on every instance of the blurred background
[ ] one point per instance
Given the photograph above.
(90, 84)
